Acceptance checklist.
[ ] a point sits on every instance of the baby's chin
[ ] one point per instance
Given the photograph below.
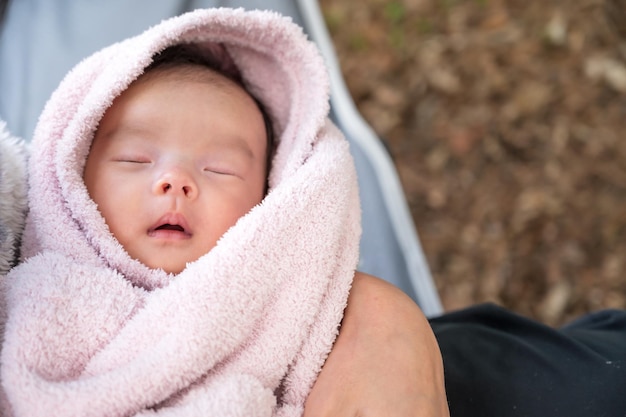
(173, 271)
(173, 268)
(173, 262)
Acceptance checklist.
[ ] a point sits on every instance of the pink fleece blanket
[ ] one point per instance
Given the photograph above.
(242, 331)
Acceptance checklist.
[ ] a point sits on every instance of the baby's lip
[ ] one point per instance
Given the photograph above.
(171, 225)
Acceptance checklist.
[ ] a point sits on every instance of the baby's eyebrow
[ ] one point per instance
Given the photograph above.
(138, 132)
(234, 143)
(124, 130)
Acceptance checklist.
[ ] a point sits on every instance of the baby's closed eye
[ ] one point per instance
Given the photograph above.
(133, 161)
(221, 170)
(132, 158)
(224, 164)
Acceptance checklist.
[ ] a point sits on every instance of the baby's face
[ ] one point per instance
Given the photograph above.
(174, 163)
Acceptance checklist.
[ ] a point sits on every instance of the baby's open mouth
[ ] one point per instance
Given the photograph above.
(173, 227)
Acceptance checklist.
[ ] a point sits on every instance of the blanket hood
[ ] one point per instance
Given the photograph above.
(280, 67)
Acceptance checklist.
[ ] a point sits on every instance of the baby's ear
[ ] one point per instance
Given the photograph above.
(13, 195)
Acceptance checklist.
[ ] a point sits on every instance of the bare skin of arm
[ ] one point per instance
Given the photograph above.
(385, 362)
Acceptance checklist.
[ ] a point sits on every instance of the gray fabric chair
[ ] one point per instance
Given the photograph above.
(42, 39)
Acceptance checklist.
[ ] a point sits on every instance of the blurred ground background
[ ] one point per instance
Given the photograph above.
(506, 121)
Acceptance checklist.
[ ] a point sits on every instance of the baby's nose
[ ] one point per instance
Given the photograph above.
(176, 181)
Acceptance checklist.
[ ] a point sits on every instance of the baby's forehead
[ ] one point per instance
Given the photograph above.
(226, 82)
(199, 98)
(230, 78)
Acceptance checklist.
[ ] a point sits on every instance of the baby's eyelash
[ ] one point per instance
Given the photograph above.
(220, 171)
(133, 160)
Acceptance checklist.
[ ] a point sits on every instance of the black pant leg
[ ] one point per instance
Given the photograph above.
(500, 364)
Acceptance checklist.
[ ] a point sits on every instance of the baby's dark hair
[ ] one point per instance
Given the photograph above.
(216, 58)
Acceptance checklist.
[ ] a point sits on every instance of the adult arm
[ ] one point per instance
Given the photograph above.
(385, 361)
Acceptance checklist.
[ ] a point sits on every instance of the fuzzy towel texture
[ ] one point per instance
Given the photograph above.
(242, 331)
(13, 186)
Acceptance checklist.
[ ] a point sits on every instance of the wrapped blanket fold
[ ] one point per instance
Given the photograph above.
(242, 331)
